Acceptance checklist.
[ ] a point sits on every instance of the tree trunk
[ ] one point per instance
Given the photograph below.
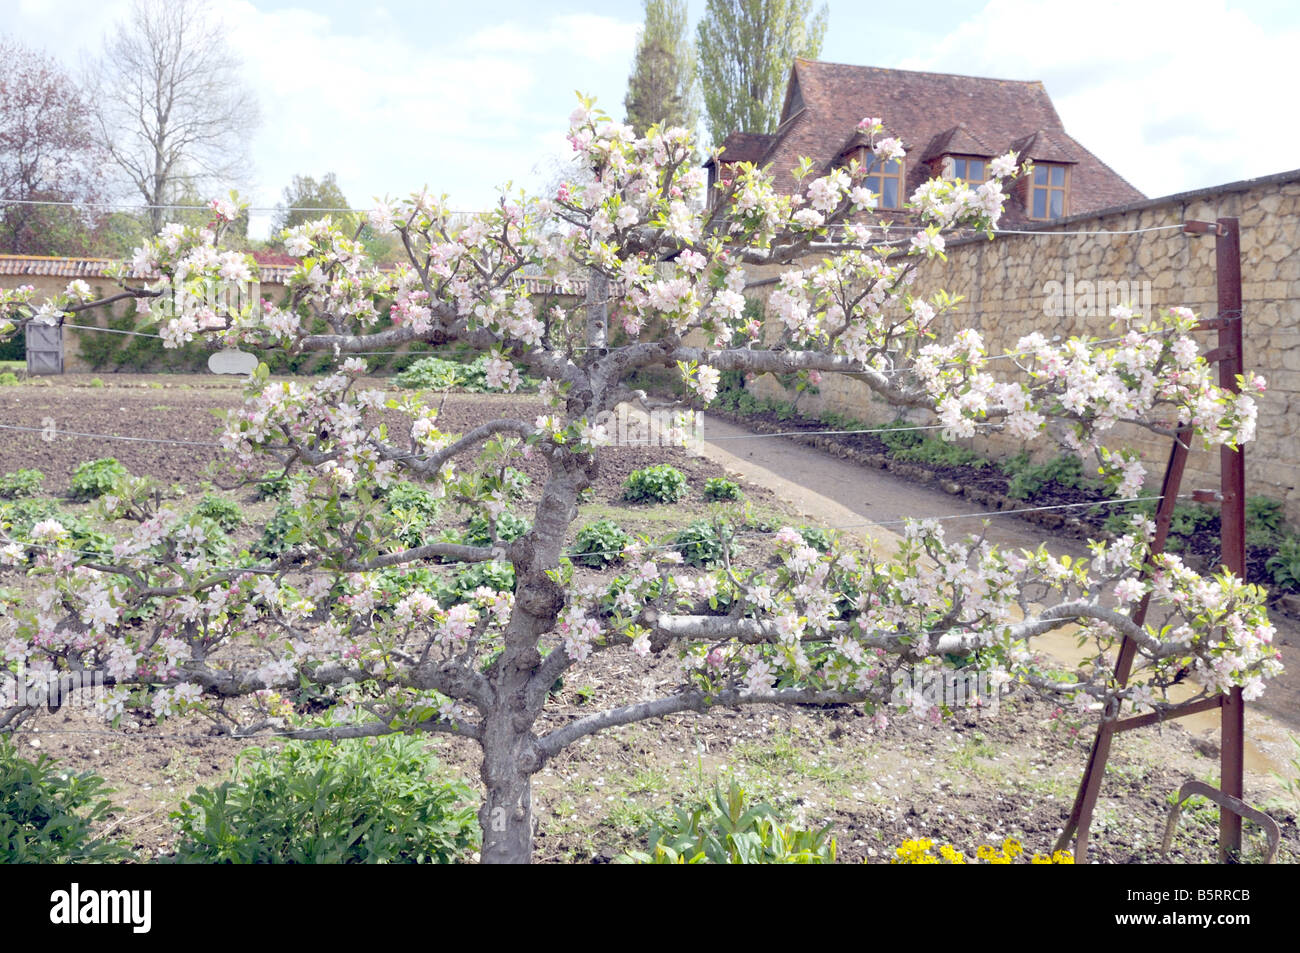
(506, 816)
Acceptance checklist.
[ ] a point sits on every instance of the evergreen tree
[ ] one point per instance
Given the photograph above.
(661, 88)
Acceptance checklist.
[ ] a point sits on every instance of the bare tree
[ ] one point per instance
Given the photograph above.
(171, 101)
(47, 155)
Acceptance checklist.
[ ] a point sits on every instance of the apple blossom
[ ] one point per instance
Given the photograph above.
(347, 612)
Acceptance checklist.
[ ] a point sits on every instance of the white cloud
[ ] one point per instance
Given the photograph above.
(1173, 96)
(382, 101)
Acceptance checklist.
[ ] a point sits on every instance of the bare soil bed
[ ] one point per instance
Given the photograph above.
(973, 779)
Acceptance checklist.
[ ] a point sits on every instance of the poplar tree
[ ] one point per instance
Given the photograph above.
(746, 49)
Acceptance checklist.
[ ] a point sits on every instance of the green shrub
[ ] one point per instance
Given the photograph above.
(1284, 565)
(273, 485)
(448, 586)
(48, 816)
(1265, 521)
(225, 513)
(414, 510)
(509, 528)
(728, 829)
(703, 543)
(1190, 519)
(599, 544)
(1119, 519)
(900, 435)
(9, 379)
(499, 576)
(18, 517)
(431, 373)
(716, 488)
(658, 484)
(361, 801)
(436, 373)
(282, 530)
(816, 537)
(20, 483)
(95, 478)
(938, 452)
(1028, 479)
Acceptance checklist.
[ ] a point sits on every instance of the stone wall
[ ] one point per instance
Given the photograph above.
(1006, 284)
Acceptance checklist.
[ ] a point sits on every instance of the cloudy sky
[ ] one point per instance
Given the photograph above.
(463, 97)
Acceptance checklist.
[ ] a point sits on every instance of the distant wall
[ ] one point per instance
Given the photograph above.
(1005, 284)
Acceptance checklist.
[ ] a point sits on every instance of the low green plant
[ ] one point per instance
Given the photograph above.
(703, 543)
(816, 537)
(662, 483)
(1284, 565)
(9, 379)
(1190, 519)
(225, 513)
(938, 452)
(20, 483)
(432, 373)
(17, 517)
(273, 485)
(498, 576)
(413, 509)
(380, 800)
(719, 489)
(436, 373)
(899, 435)
(48, 815)
(1119, 519)
(95, 478)
(509, 528)
(282, 530)
(1265, 521)
(1028, 478)
(730, 829)
(599, 544)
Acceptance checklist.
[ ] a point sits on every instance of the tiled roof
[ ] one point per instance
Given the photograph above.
(957, 141)
(56, 267)
(38, 265)
(279, 258)
(933, 114)
(745, 146)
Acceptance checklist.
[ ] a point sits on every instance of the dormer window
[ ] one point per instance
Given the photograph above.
(885, 179)
(1048, 191)
(969, 169)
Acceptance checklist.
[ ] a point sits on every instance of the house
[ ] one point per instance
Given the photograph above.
(949, 125)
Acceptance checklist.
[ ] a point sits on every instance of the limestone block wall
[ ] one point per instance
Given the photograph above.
(1016, 284)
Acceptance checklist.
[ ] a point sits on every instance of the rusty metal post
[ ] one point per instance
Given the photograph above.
(1079, 823)
(1232, 520)
(1232, 528)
